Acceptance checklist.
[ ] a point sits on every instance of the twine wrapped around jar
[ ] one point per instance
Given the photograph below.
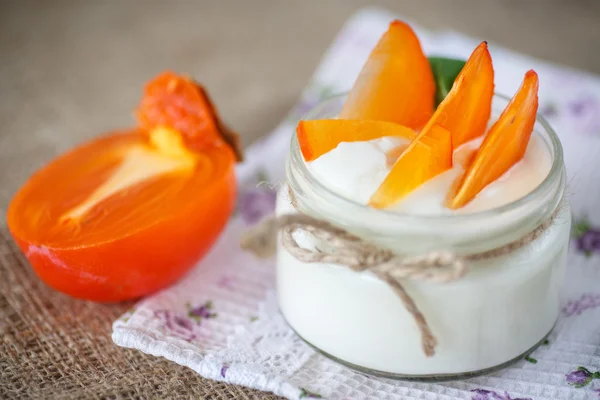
(359, 255)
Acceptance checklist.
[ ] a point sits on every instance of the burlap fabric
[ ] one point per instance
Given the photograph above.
(72, 69)
(54, 347)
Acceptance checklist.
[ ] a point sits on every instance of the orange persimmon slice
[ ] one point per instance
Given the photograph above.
(467, 108)
(129, 213)
(317, 137)
(396, 84)
(427, 156)
(504, 145)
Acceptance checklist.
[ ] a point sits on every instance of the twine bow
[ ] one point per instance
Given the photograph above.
(358, 255)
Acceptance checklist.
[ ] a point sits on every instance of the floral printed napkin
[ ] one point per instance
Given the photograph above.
(222, 319)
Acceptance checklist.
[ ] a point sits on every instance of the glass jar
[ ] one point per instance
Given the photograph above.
(494, 315)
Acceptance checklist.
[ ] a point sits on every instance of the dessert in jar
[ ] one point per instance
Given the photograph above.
(423, 240)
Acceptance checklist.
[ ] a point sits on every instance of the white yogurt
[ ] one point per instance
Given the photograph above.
(496, 313)
(356, 169)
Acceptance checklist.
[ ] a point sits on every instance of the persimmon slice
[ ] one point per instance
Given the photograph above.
(427, 156)
(466, 110)
(504, 145)
(317, 137)
(128, 213)
(396, 83)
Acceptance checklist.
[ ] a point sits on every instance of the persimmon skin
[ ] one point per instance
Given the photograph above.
(128, 265)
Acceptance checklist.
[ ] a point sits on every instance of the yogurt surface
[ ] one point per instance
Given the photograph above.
(356, 169)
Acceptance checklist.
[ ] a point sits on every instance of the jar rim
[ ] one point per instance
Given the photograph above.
(555, 172)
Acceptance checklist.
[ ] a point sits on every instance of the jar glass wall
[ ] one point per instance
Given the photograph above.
(495, 314)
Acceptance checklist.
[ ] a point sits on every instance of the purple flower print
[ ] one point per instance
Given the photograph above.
(177, 324)
(585, 112)
(256, 203)
(581, 377)
(226, 282)
(587, 301)
(548, 110)
(203, 311)
(224, 369)
(184, 326)
(482, 394)
(589, 242)
(582, 113)
(578, 107)
(587, 238)
(597, 391)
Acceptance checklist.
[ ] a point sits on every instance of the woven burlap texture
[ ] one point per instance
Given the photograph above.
(55, 347)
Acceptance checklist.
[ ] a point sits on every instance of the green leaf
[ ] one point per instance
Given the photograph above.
(445, 71)
(530, 359)
(308, 394)
(580, 228)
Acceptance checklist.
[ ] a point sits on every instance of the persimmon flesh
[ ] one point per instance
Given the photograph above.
(466, 110)
(427, 156)
(123, 215)
(396, 83)
(318, 137)
(504, 145)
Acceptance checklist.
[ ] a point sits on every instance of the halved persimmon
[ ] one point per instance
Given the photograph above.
(317, 137)
(466, 110)
(504, 145)
(396, 83)
(126, 214)
(427, 156)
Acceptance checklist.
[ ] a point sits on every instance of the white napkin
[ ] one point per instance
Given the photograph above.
(222, 319)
